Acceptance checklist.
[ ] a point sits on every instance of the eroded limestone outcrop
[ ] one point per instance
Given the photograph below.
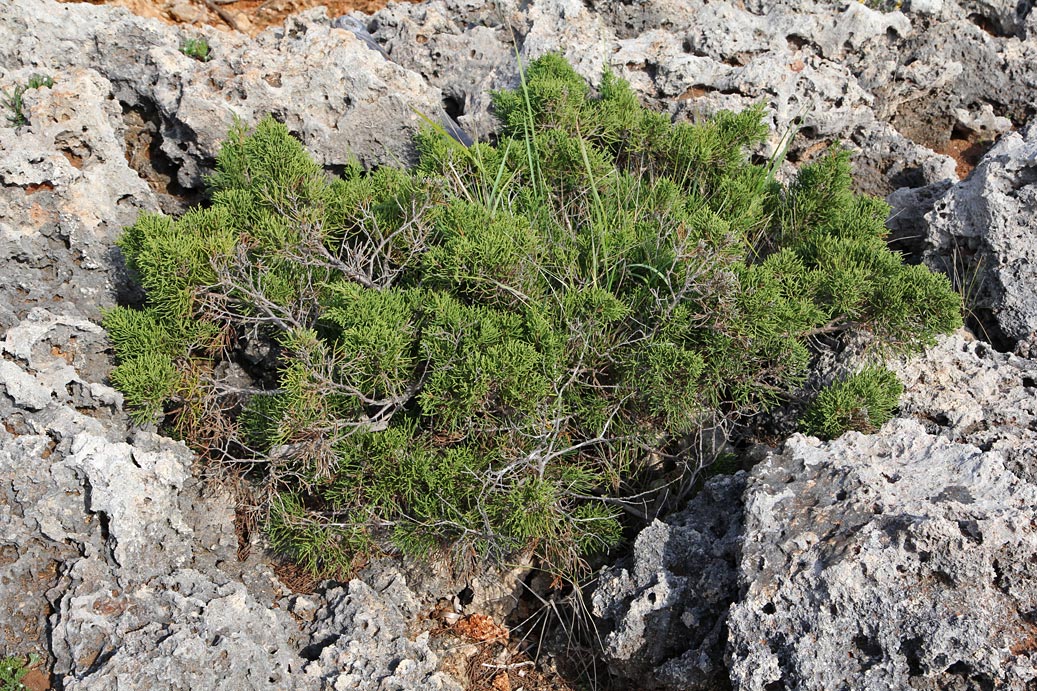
(902, 559)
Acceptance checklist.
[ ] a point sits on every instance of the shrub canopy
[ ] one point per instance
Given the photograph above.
(487, 350)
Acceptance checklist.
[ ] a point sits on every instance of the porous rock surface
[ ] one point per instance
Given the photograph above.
(902, 559)
(896, 560)
(675, 589)
(984, 231)
(898, 86)
(359, 641)
(67, 192)
(342, 99)
(113, 553)
(119, 562)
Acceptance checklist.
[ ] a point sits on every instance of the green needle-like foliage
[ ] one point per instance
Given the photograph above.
(862, 401)
(491, 350)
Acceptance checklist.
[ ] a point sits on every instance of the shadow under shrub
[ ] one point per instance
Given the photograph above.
(490, 351)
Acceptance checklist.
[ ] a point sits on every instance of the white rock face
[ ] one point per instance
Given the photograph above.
(344, 100)
(665, 609)
(895, 560)
(984, 230)
(67, 192)
(118, 538)
(895, 85)
(362, 646)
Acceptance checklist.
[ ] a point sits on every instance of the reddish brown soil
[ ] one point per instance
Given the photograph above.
(250, 16)
(966, 153)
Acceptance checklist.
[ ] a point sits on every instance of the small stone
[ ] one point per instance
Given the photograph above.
(501, 682)
(925, 6)
(187, 12)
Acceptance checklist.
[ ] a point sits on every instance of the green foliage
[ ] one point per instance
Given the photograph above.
(862, 402)
(39, 81)
(13, 670)
(13, 101)
(483, 352)
(197, 48)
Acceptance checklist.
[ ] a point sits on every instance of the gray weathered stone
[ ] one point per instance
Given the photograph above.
(966, 391)
(833, 71)
(901, 559)
(982, 231)
(362, 640)
(895, 560)
(343, 100)
(67, 192)
(117, 538)
(665, 609)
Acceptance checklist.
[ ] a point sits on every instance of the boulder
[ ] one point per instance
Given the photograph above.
(362, 639)
(106, 531)
(342, 99)
(982, 232)
(664, 608)
(966, 391)
(67, 191)
(895, 560)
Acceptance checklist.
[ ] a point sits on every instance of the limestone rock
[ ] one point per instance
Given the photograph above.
(819, 67)
(896, 560)
(982, 231)
(901, 559)
(342, 99)
(966, 391)
(67, 192)
(109, 531)
(665, 608)
(362, 641)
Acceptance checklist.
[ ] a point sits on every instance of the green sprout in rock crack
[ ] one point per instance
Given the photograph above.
(38, 81)
(13, 102)
(13, 669)
(197, 48)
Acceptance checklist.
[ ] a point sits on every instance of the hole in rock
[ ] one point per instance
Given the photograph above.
(970, 530)
(911, 649)
(868, 645)
(454, 105)
(795, 41)
(144, 154)
(985, 23)
(313, 650)
(909, 177)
